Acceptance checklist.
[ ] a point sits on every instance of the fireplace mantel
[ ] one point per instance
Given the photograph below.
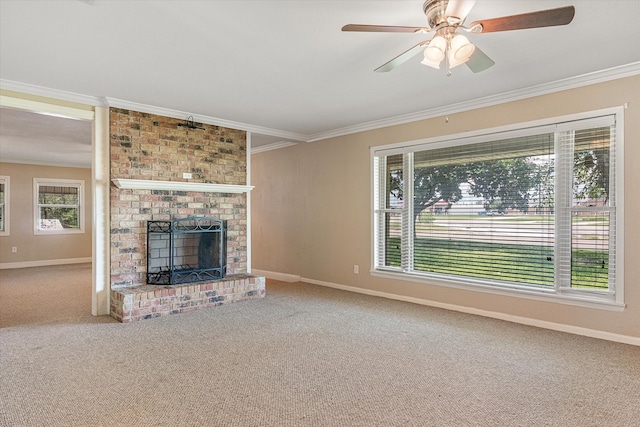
(144, 184)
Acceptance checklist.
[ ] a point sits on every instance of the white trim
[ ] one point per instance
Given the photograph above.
(144, 184)
(375, 202)
(176, 114)
(576, 330)
(601, 76)
(7, 209)
(248, 181)
(44, 263)
(615, 73)
(274, 146)
(619, 186)
(54, 94)
(45, 108)
(101, 237)
(283, 277)
(518, 129)
(580, 300)
(43, 163)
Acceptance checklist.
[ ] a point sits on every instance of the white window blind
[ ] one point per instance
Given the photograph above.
(586, 241)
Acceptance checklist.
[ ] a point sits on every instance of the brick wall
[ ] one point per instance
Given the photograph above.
(151, 147)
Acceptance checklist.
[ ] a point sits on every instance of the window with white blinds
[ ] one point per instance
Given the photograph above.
(531, 209)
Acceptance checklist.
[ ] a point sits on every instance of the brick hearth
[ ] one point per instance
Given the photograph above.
(130, 304)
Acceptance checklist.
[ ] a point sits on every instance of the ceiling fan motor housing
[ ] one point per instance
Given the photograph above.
(435, 12)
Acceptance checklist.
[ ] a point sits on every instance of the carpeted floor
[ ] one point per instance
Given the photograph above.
(302, 356)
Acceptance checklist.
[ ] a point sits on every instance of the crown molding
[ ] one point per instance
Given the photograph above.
(177, 114)
(53, 163)
(615, 73)
(46, 108)
(46, 92)
(272, 146)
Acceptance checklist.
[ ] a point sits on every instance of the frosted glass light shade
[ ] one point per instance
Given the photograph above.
(431, 64)
(436, 49)
(453, 62)
(461, 48)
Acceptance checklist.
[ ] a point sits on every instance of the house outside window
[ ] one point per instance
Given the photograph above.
(4, 205)
(531, 211)
(58, 206)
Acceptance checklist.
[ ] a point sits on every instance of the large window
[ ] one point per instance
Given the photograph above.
(4, 205)
(532, 210)
(58, 206)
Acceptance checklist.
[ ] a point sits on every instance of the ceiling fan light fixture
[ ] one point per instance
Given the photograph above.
(453, 62)
(461, 48)
(435, 52)
(432, 64)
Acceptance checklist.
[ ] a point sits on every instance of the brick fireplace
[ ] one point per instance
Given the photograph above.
(150, 156)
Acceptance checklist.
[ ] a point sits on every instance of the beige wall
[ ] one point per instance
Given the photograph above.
(311, 207)
(41, 249)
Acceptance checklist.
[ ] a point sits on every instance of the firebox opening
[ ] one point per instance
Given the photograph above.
(192, 249)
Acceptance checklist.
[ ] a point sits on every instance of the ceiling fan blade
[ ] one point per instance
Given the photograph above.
(403, 57)
(459, 8)
(479, 61)
(543, 18)
(384, 28)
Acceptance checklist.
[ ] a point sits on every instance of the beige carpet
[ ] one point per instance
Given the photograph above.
(303, 356)
(57, 294)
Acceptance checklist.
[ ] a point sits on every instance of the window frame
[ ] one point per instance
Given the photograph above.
(5, 202)
(57, 182)
(611, 300)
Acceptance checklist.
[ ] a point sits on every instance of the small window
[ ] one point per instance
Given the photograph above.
(4, 205)
(58, 206)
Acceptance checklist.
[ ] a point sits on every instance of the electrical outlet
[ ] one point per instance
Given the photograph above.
(356, 269)
(14, 249)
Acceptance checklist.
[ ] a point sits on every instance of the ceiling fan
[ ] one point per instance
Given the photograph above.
(446, 19)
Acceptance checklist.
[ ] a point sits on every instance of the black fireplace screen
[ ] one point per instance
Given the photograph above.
(187, 250)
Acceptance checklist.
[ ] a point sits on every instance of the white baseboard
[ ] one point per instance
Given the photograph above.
(283, 277)
(43, 263)
(577, 330)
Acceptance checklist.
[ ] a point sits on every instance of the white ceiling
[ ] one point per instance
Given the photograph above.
(27, 137)
(283, 69)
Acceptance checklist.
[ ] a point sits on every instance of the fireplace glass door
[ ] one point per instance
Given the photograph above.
(192, 249)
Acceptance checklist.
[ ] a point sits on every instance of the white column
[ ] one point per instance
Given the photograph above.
(101, 283)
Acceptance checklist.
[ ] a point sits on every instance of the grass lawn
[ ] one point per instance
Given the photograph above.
(525, 264)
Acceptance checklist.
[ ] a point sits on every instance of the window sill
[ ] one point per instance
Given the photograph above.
(588, 301)
(56, 232)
